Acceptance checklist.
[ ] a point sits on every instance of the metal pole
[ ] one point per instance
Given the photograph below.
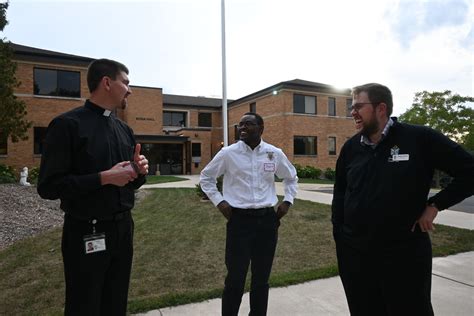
(224, 79)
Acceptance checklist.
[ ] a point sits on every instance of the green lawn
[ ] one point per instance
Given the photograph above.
(179, 255)
(163, 179)
(309, 180)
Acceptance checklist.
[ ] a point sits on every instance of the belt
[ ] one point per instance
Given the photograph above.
(253, 211)
(111, 218)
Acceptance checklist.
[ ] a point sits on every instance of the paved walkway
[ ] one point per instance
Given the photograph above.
(452, 289)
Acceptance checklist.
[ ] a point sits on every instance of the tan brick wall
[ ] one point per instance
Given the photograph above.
(144, 102)
(204, 138)
(281, 125)
(144, 113)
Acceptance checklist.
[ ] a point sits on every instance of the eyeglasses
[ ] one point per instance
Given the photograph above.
(357, 106)
(247, 124)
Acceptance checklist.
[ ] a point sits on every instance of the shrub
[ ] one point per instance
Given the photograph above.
(203, 195)
(33, 174)
(307, 172)
(312, 172)
(330, 174)
(7, 174)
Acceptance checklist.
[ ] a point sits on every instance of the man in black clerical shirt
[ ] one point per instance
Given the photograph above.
(93, 165)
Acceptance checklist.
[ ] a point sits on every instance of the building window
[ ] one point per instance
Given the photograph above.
(253, 107)
(331, 106)
(205, 119)
(332, 145)
(304, 104)
(60, 83)
(3, 144)
(196, 149)
(348, 107)
(39, 136)
(305, 145)
(174, 118)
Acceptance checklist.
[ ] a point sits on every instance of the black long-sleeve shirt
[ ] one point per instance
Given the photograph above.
(79, 145)
(376, 197)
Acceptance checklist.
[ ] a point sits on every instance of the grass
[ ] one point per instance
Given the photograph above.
(319, 181)
(179, 255)
(163, 179)
(310, 180)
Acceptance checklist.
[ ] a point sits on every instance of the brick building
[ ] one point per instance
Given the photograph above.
(180, 134)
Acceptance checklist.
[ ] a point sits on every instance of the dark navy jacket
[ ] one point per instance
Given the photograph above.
(376, 198)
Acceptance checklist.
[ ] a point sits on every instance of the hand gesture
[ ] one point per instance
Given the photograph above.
(140, 161)
(118, 175)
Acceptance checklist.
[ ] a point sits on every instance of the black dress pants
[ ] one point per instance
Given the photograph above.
(97, 283)
(250, 240)
(388, 279)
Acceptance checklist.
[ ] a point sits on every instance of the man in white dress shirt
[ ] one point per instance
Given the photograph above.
(248, 203)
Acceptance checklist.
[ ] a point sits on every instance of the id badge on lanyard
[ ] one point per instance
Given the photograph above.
(94, 242)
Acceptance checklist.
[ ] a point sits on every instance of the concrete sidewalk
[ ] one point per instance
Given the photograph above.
(452, 288)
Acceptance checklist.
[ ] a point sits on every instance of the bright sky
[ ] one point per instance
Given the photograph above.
(408, 45)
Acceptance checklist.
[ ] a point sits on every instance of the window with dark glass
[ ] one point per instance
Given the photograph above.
(196, 149)
(60, 83)
(331, 106)
(304, 104)
(332, 145)
(205, 119)
(174, 118)
(305, 145)
(348, 107)
(3, 144)
(253, 107)
(39, 137)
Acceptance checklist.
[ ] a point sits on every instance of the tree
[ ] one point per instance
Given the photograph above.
(13, 122)
(445, 112)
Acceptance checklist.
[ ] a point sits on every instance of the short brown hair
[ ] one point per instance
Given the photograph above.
(377, 93)
(103, 67)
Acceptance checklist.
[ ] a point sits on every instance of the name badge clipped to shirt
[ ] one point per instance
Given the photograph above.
(94, 243)
(396, 157)
(269, 167)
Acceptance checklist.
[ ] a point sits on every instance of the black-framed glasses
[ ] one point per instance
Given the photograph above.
(247, 124)
(357, 106)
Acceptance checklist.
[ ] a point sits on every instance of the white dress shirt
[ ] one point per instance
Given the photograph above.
(249, 180)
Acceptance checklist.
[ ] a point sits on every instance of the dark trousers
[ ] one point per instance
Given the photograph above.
(389, 279)
(97, 283)
(250, 240)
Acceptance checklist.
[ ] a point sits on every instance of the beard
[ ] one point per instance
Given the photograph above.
(370, 127)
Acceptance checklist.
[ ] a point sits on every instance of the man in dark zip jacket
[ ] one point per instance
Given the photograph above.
(381, 212)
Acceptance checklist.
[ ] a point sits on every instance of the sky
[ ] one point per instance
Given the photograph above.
(407, 45)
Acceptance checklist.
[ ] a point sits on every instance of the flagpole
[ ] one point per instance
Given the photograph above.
(224, 79)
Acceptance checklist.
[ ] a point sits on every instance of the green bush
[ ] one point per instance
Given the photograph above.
(312, 172)
(307, 172)
(203, 195)
(7, 174)
(33, 174)
(330, 174)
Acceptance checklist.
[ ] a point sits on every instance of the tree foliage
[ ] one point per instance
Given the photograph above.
(13, 122)
(446, 112)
